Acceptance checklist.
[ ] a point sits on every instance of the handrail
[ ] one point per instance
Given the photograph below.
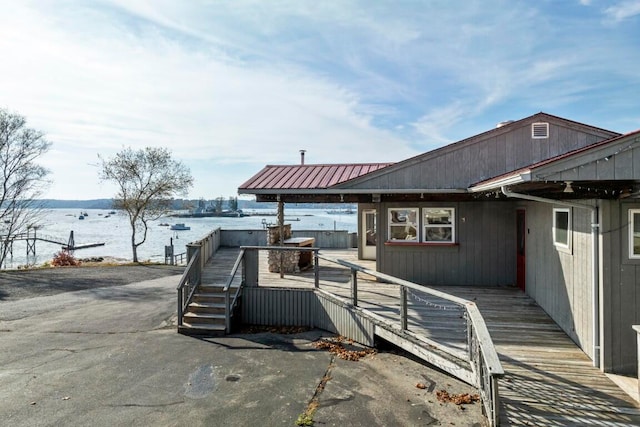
(189, 281)
(228, 302)
(483, 356)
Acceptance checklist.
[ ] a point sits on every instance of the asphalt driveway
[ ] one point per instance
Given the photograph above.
(110, 356)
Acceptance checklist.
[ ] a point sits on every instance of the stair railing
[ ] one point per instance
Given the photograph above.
(230, 301)
(190, 279)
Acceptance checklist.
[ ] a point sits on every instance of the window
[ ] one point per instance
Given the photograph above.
(562, 227)
(403, 224)
(439, 225)
(634, 233)
(540, 130)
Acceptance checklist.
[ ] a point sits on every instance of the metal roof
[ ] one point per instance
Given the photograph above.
(306, 177)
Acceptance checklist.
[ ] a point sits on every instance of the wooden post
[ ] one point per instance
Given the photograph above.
(316, 269)
(403, 308)
(281, 232)
(354, 287)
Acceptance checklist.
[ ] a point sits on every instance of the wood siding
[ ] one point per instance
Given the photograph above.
(339, 239)
(482, 157)
(485, 253)
(560, 280)
(620, 290)
(614, 161)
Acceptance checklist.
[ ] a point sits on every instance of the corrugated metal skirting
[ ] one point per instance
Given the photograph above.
(278, 307)
(304, 307)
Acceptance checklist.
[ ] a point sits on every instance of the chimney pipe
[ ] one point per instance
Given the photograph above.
(302, 156)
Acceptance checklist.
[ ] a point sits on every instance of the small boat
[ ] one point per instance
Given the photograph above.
(81, 216)
(180, 226)
(163, 224)
(112, 212)
(341, 212)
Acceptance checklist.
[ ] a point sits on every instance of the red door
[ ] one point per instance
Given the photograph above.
(521, 248)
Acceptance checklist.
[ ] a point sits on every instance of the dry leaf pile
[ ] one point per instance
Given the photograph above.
(336, 346)
(284, 330)
(458, 399)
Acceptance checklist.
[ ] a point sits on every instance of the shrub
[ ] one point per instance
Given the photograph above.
(64, 259)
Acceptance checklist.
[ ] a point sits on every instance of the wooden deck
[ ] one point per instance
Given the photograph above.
(549, 381)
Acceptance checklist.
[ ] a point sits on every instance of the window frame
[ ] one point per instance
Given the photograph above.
(426, 225)
(558, 244)
(391, 224)
(632, 254)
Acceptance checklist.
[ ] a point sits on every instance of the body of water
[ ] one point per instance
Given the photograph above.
(115, 232)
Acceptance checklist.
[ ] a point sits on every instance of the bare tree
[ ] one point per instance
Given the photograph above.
(22, 180)
(147, 181)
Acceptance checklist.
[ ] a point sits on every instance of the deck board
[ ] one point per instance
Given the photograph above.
(548, 379)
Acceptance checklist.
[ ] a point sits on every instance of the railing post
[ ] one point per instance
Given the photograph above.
(180, 310)
(316, 269)
(227, 315)
(403, 308)
(637, 329)
(354, 287)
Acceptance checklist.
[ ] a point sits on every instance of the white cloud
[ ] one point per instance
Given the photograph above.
(623, 10)
(231, 87)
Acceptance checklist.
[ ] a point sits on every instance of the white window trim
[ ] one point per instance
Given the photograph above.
(415, 224)
(560, 245)
(540, 124)
(630, 235)
(424, 225)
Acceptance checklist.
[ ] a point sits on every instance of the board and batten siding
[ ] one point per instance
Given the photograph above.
(484, 254)
(339, 239)
(620, 278)
(560, 280)
(483, 157)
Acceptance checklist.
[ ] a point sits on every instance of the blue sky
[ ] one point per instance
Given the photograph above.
(229, 86)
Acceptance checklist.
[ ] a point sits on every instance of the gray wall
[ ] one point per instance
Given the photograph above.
(484, 156)
(559, 280)
(620, 290)
(484, 255)
(339, 239)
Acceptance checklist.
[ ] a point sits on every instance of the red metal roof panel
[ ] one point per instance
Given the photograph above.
(301, 177)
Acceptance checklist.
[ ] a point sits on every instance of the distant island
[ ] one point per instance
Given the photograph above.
(180, 204)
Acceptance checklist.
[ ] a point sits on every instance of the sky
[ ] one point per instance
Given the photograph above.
(231, 86)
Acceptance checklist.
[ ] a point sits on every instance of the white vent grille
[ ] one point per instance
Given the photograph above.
(540, 130)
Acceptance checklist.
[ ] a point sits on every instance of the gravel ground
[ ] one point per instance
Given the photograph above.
(21, 284)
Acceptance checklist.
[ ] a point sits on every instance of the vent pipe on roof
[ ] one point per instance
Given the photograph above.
(302, 156)
(506, 122)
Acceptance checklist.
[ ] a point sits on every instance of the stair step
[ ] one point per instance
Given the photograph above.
(208, 318)
(201, 329)
(206, 307)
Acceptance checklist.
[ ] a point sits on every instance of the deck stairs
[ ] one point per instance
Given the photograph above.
(205, 314)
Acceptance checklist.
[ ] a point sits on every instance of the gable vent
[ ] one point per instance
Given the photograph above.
(540, 130)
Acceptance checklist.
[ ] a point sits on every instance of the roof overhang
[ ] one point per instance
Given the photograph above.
(338, 191)
(495, 184)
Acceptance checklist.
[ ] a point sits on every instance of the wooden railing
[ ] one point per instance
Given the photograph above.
(188, 283)
(480, 351)
(230, 301)
(199, 253)
(482, 354)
